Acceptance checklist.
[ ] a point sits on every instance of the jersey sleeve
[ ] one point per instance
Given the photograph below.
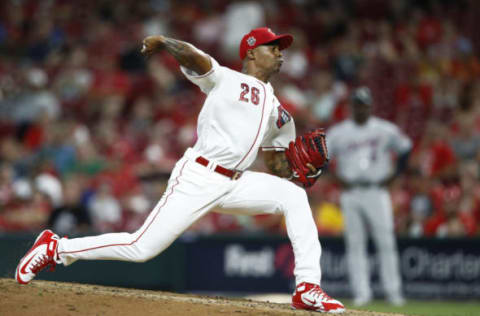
(331, 141)
(282, 133)
(206, 81)
(399, 141)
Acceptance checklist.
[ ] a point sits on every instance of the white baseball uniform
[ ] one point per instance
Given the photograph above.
(364, 159)
(240, 115)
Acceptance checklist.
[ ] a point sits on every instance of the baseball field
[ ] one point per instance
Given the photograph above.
(54, 298)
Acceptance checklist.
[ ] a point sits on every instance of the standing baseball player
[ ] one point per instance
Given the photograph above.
(362, 148)
(240, 115)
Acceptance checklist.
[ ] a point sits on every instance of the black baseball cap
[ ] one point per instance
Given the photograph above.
(362, 95)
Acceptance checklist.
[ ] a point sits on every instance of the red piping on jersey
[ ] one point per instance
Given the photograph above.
(148, 226)
(259, 127)
(205, 74)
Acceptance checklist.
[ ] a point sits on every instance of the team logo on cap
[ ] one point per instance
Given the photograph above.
(251, 41)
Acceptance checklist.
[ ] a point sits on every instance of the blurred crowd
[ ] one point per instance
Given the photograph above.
(89, 129)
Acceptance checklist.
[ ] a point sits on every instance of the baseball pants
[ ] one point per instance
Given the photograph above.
(370, 209)
(192, 191)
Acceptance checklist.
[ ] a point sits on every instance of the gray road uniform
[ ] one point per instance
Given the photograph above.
(364, 160)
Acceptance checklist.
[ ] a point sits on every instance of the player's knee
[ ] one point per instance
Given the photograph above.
(297, 193)
(292, 198)
(355, 245)
(143, 258)
(386, 244)
(291, 190)
(143, 255)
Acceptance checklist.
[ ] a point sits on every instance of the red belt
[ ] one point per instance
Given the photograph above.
(232, 174)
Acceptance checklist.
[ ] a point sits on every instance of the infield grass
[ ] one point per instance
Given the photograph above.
(424, 308)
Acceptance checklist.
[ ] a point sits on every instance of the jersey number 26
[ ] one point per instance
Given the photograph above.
(254, 92)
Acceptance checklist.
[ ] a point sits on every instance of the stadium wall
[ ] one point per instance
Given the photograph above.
(431, 268)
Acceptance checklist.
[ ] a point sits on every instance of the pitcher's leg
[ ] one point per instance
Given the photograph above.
(257, 193)
(136, 247)
(182, 204)
(303, 234)
(356, 249)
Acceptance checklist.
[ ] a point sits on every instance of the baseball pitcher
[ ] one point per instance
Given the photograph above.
(240, 115)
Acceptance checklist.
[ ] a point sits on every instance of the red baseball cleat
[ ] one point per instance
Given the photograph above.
(310, 296)
(42, 254)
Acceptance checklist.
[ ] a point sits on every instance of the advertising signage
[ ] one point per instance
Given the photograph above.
(430, 268)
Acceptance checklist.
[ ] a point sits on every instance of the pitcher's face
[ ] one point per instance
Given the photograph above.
(269, 57)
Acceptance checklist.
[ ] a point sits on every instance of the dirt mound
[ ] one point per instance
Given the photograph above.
(54, 298)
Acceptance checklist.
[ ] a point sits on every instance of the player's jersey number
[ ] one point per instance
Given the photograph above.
(254, 94)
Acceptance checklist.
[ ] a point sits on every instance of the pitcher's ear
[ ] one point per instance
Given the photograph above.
(250, 55)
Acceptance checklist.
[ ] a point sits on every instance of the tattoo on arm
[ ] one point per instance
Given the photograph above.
(178, 49)
(278, 164)
(187, 55)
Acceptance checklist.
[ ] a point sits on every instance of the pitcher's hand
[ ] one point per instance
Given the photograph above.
(151, 45)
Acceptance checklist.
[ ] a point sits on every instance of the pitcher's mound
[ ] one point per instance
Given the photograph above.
(43, 298)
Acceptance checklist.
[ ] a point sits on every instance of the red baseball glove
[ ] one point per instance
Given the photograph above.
(310, 148)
